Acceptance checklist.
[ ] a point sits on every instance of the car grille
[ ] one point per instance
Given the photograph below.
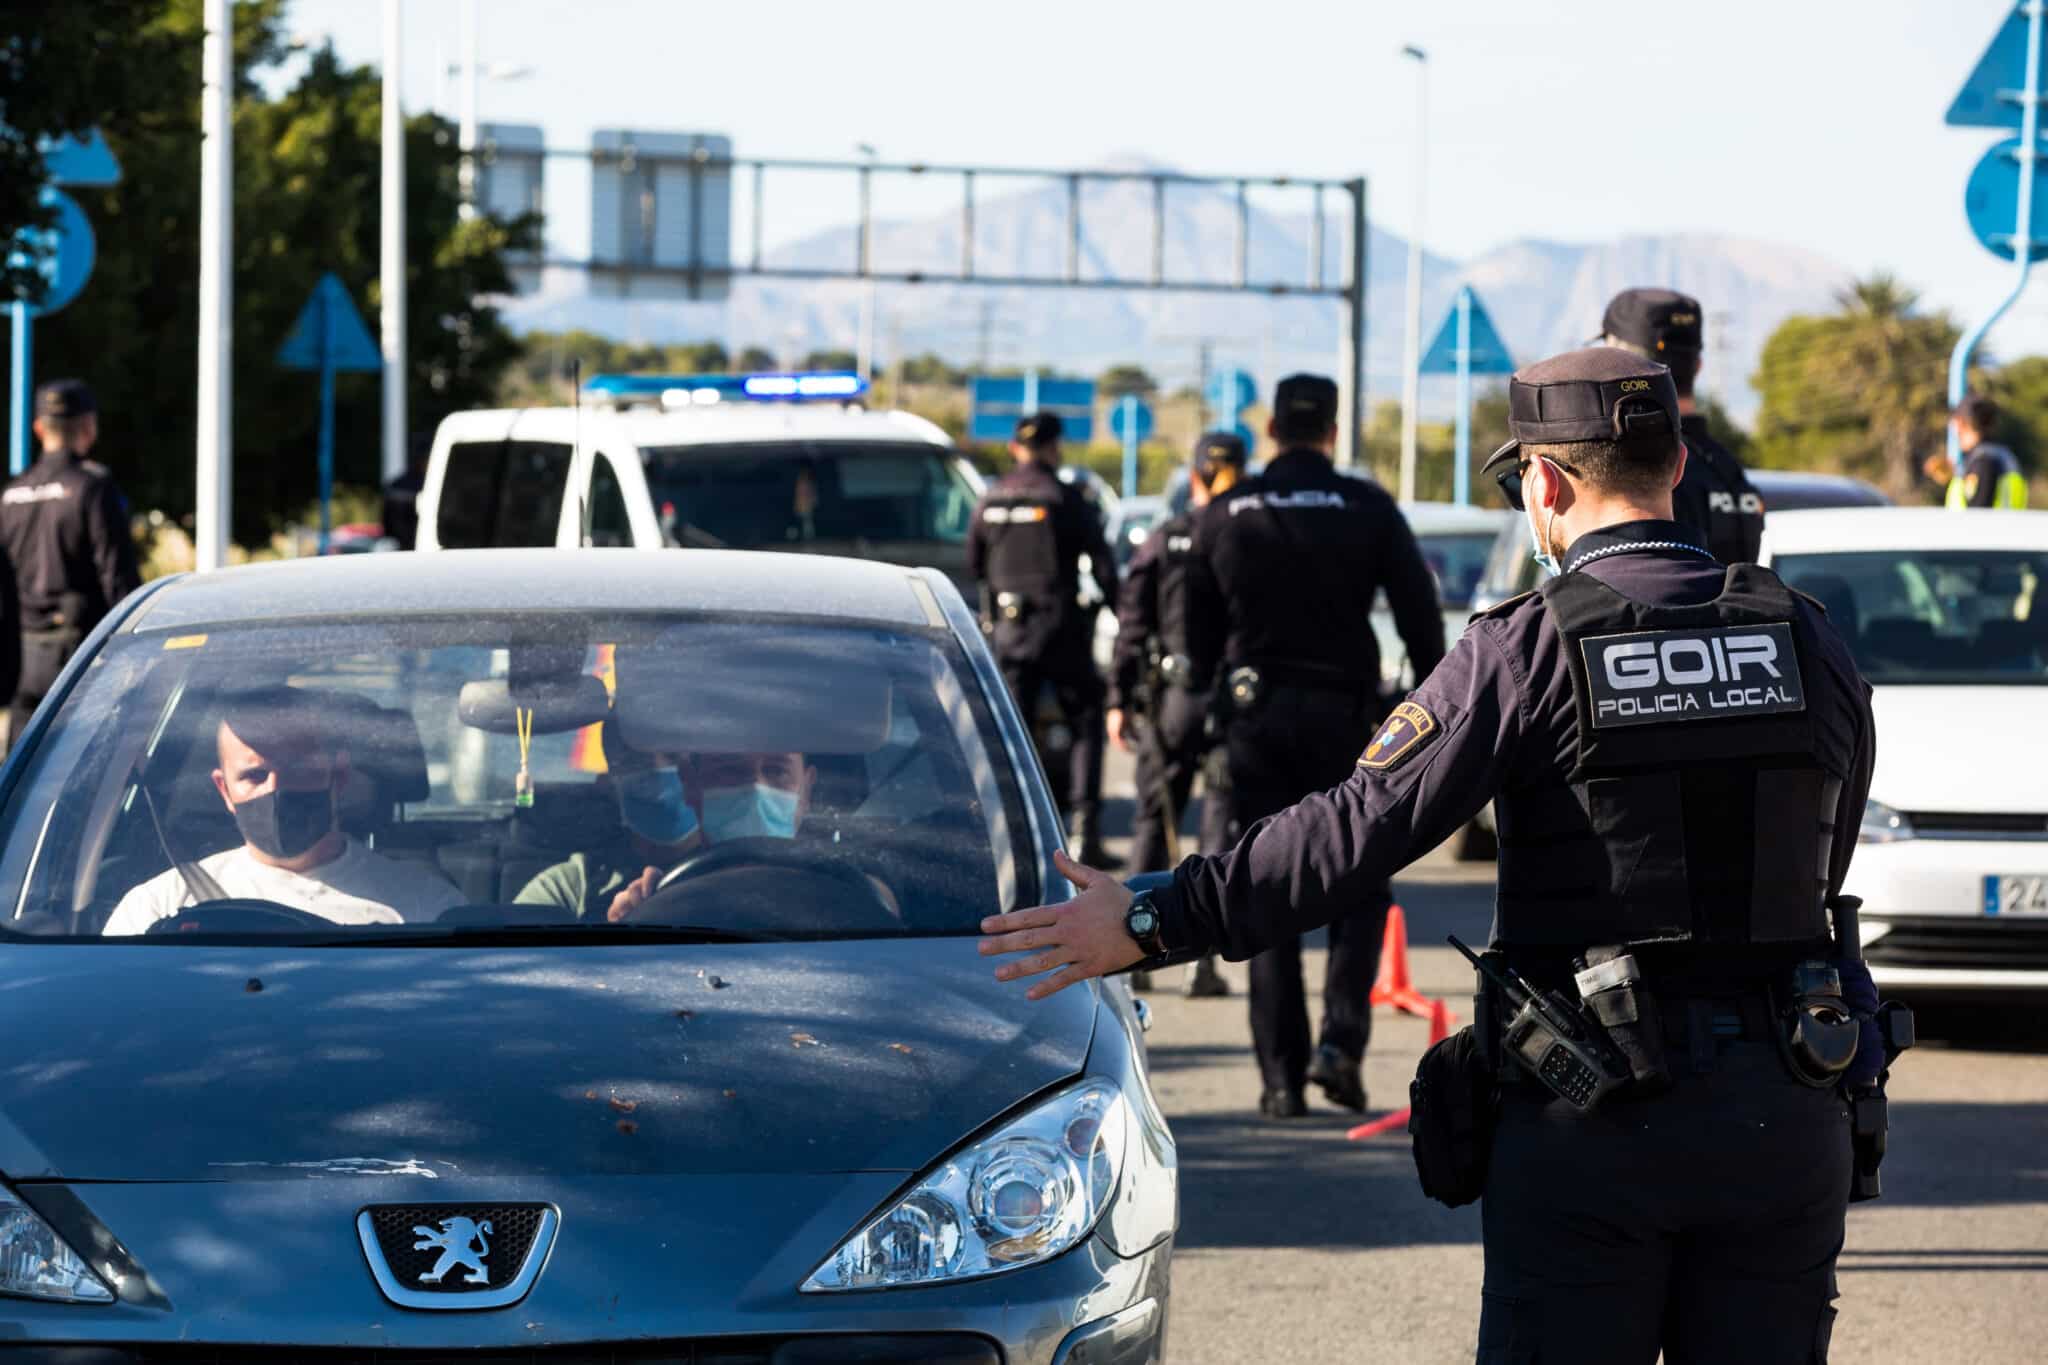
(1984, 944)
(512, 1230)
(923, 1349)
(1936, 824)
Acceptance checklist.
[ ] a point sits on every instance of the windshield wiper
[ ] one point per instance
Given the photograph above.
(526, 935)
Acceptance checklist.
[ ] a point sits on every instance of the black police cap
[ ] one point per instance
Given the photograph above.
(1661, 321)
(1218, 447)
(65, 398)
(1601, 393)
(1300, 399)
(1039, 429)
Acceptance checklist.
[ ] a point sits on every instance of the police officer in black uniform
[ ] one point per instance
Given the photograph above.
(1279, 606)
(1715, 498)
(1030, 530)
(1678, 753)
(1159, 706)
(64, 525)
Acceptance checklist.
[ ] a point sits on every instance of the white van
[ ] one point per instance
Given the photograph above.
(759, 462)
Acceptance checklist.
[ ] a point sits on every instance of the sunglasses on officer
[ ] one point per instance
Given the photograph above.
(1510, 480)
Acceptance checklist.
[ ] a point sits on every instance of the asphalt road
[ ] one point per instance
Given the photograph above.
(1298, 1245)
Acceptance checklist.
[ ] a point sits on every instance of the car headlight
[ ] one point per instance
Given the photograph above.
(1023, 1194)
(38, 1264)
(1883, 825)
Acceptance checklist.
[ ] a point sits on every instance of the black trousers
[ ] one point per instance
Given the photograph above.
(1297, 741)
(1170, 754)
(43, 656)
(1703, 1222)
(1067, 669)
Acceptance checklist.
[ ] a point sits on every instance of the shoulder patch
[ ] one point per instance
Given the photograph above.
(1403, 734)
(1500, 609)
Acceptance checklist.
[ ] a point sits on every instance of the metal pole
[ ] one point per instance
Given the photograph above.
(864, 359)
(1315, 242)
(1030, 393)
(214, 476)
(326, 422)
(1073, 227)
(1158, 230)
(1461, 475)
(1244, 235)
(391, 271)
(1130, 408)
(22, 390)
(2023, 229)
(1351, 346)
(967, 226)
(1411, 359)
(467, 170)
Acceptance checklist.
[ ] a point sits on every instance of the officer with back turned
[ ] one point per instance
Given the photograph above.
(65, 526)
(1279, 605)
(1715, 498)
(1678, 753)
(1159, 705)
(1029, 533)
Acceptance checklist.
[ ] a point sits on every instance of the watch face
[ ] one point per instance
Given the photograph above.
(1144, 921)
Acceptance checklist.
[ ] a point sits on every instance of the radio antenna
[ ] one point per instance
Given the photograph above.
(579, 464)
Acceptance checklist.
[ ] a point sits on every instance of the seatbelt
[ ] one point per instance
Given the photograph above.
(197, 879)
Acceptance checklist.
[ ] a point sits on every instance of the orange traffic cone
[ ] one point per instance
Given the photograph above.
(1440, 1018)
(1395, 986)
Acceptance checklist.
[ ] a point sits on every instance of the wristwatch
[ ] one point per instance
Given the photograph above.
(1142, 923)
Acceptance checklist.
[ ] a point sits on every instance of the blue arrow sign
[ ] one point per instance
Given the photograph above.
(1991, 202)
(1229, 393)
(86, 160)
(348, 346)
(1488, 353)
(1993, 95)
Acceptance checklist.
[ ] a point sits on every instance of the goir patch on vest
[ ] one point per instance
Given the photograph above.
(1404, 733)
(1715, 673)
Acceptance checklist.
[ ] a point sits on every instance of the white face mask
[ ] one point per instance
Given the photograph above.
(1543, 554)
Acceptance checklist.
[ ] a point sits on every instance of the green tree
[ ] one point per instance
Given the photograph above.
(67, 66)
(831, 360)
(306, 202)
(931, 368)
(1120, 380)
(754, 359)
(1859, 391)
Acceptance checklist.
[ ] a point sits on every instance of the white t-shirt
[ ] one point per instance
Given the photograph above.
(358, 887)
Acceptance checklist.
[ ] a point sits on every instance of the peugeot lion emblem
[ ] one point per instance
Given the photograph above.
(456, 1256)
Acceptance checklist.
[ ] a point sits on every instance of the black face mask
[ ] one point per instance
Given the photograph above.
(284, 824)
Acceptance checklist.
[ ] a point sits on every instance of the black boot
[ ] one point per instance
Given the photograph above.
(1085, 831)
(1285, 1103)
(1340, 1078)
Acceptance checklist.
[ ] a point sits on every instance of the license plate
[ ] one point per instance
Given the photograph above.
(2016, 895)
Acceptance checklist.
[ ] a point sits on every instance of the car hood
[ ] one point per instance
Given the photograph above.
(137, 1062)
(1951, 749)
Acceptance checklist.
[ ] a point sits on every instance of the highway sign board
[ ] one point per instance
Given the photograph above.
(995, 404)
(1991, 202)
(1992, 96)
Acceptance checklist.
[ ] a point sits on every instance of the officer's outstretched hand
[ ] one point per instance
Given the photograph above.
(1074, 940)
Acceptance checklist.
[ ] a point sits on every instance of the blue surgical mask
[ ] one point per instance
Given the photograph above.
(1542, 553)
(758, 811)
(651, 805)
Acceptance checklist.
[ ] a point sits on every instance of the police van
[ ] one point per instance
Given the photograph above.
(788, 462)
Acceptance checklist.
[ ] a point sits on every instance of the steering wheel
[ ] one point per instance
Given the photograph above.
(239, 914)
(822, 862)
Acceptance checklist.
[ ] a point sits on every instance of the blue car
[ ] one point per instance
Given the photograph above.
(553, 955)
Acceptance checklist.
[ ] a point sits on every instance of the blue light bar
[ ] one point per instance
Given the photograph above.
(682, 389)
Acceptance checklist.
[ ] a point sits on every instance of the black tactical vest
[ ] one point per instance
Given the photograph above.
(1176, 562)
(1702, 801)
(1023, 546)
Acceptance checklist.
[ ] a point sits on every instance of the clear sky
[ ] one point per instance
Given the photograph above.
(1813, 124)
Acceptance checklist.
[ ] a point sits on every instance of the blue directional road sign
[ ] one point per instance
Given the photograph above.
(65, 249)
(994, 405)
(1488, 353)
(1135, 413)
(1993, 96)
(1229, 393)
(329, 336)
(1991, 202)
(84, 160)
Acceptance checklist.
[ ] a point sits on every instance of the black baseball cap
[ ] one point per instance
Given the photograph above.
(1601, 393)
(1301, 399)
(65, 398)
(1663, 322)
(1218, 447)
(1039, 429)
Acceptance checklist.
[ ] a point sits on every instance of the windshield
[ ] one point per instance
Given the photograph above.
(1458, 559)
(404, 779)
(787, 494)
(1934, 616)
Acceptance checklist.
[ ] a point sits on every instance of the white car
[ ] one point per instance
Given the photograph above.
(1455, 542)
(1947, 614)
(756, 462)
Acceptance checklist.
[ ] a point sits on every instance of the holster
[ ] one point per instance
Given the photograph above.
(1453, 1104)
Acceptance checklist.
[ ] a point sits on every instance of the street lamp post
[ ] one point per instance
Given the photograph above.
(213, 503)
(391, 262)
(1411, 358)
(865, 347)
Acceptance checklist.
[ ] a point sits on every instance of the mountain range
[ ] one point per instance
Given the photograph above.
(1544, 296)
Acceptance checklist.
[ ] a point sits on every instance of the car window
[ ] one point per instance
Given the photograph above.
(797, 494)
(840, 780)
(609, 523)
(501, 493)
(1457, 558)
(1934, 616)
